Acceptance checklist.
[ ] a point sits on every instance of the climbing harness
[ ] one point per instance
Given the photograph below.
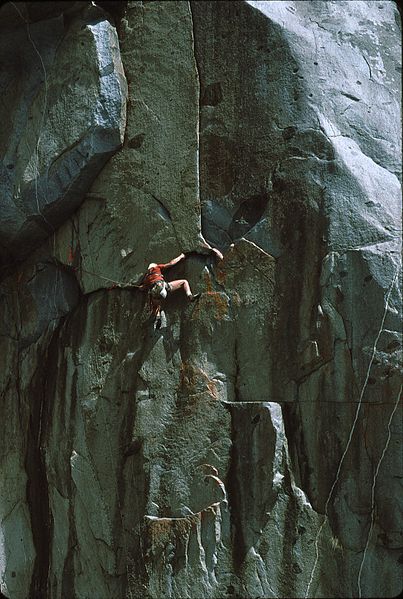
(159, 290)
(156, 294)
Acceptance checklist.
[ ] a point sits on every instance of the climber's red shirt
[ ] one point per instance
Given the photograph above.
(153, 275)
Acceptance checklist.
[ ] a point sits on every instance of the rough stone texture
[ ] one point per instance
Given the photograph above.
(64, 90)
(250, 447)
(146, 200)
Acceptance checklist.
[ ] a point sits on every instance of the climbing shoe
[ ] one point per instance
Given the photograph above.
(194, 297)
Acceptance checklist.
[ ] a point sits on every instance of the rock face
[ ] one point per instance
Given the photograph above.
(64, 90)
(250, 446)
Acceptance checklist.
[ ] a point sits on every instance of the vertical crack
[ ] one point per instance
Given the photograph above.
(353, 426)
(35, 465)
(369, 67)
(373, 491)
(68, 575)
(37, 489)
(234, 499)
(197, 70)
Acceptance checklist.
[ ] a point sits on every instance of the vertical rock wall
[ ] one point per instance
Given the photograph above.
(249, 447)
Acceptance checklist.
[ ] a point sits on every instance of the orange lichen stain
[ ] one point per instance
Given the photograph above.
(221, 304)
(212, 300)
(70, 256)
(159, 531)
(162, 531)
(187, 377)
(210, 512)
(212, 387)
(236, 298)
(194, 381)
(160, 527)
(207, 281)
(182, 527)
(221, 277)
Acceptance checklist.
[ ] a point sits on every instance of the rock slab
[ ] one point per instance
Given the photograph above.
(65, 92)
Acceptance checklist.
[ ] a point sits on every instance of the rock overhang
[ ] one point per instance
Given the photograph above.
(64, 121)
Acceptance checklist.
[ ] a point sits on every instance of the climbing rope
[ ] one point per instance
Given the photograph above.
(70, 259)
(109, 280)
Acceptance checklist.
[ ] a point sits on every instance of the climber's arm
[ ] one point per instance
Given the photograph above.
(172, 262)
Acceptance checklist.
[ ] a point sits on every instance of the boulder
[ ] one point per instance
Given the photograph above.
(65, 117)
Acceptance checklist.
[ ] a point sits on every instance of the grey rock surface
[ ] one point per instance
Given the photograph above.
(64, 91)
(250, 446)
(145, 205)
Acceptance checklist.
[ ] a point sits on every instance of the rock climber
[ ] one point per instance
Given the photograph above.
(153, 281)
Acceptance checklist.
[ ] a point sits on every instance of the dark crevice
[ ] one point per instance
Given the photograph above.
(194, 45)
(289, 566)
(233, 485)
(237, 377)
(35, 465)
(211, 95)
(8, 263)
(68, 569)
(248, 214)
(350, 96)
(37, 499)
(199, 83)
(132, 484)
(137, 141)
(294, 433)
(369, 67)
(114, 8)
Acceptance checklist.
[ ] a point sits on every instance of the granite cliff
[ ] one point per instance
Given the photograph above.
(250, 447)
